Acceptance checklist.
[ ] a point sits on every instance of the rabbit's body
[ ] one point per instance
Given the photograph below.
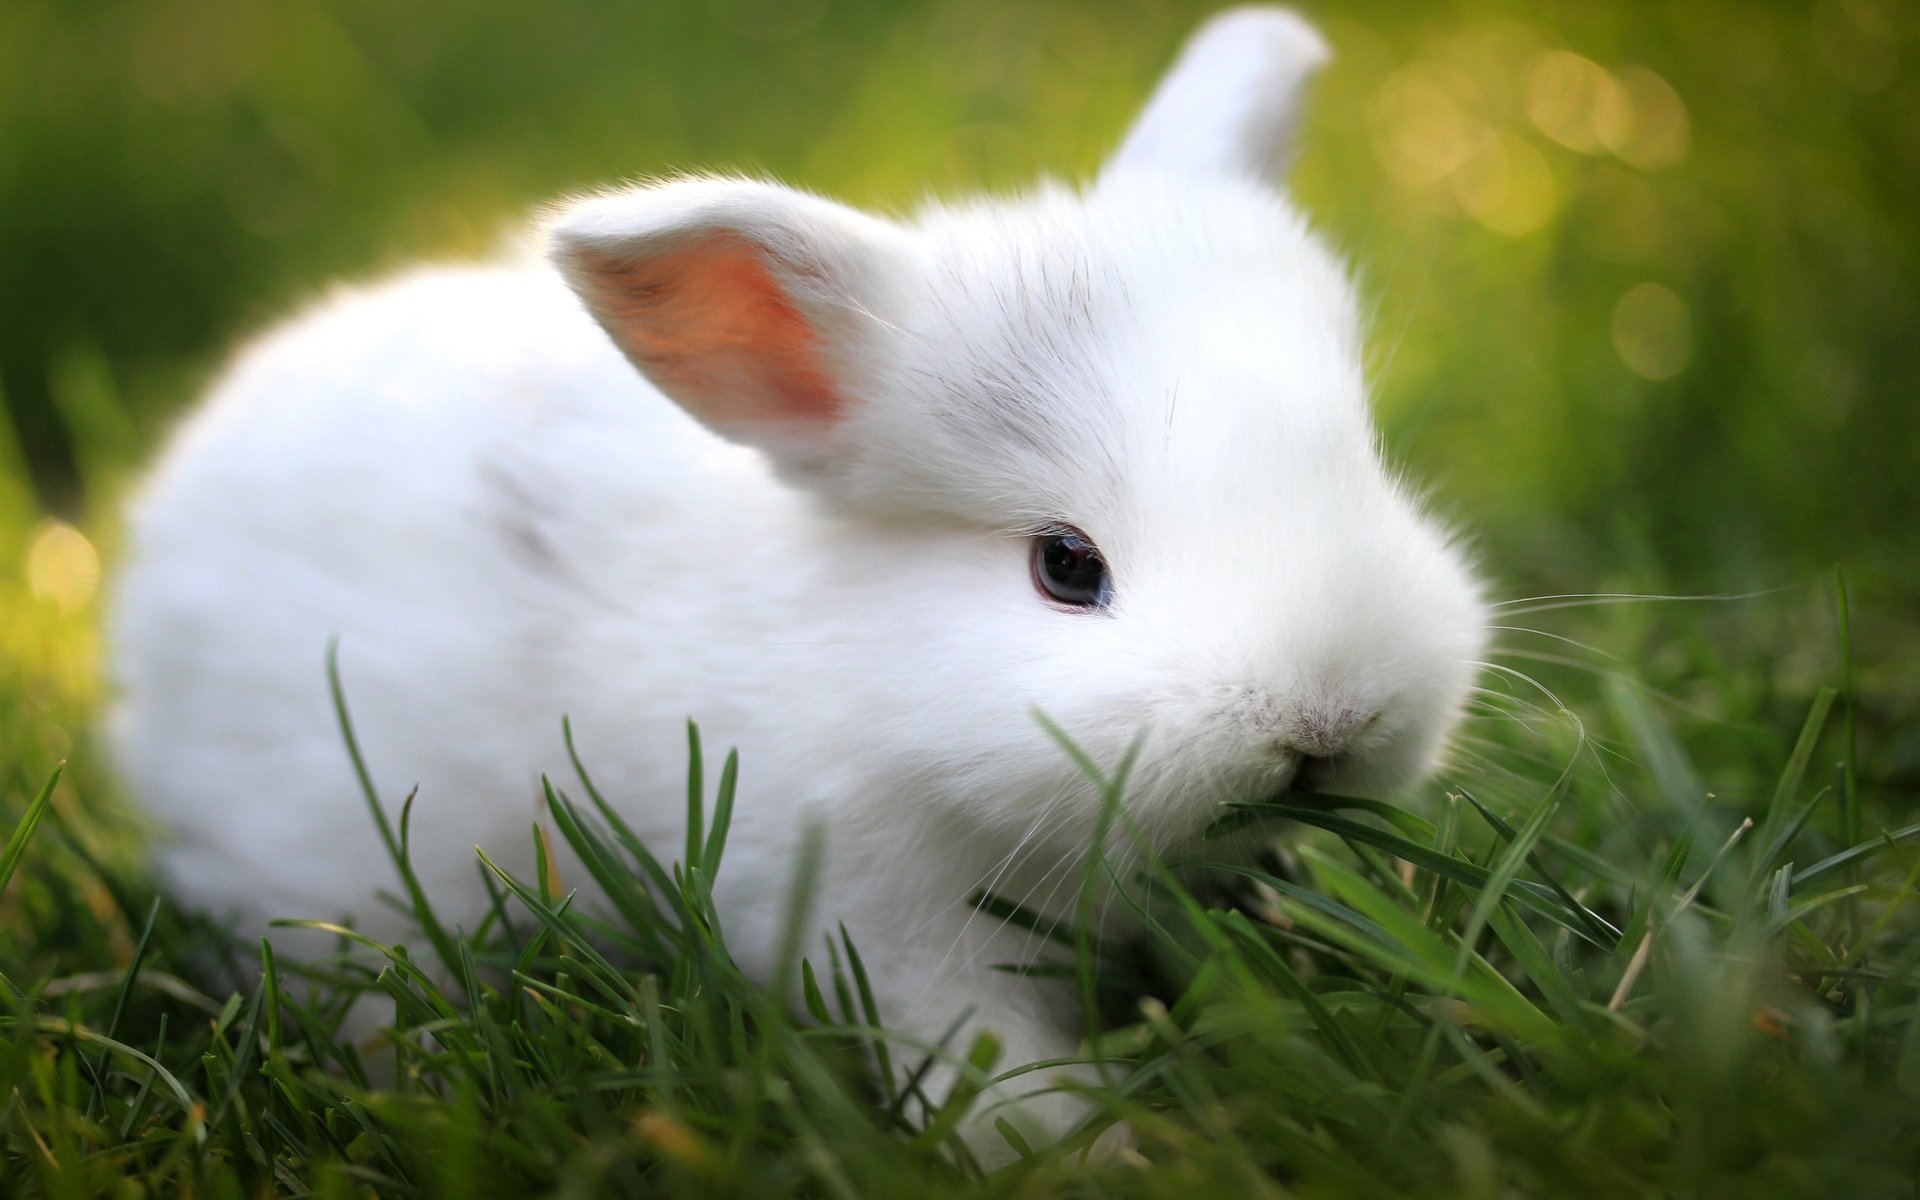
(460, 479)
(840, 523)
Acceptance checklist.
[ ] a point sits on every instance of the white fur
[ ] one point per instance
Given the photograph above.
(1230, 105)
(459, 476)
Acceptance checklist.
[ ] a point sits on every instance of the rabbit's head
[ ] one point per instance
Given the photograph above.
(1127, 425)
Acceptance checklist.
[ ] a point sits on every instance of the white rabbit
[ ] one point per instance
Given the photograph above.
(860, 496)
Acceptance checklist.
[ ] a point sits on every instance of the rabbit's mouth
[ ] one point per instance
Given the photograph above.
(1318, 773)
(1376, 763)
(1301, 757)
(1302, 772)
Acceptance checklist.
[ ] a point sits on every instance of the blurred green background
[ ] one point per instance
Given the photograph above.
(1645, 277)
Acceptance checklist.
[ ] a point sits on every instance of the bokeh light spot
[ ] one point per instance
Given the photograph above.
(1653, 332)
(1577, 102)
(63, 568)
(1420, 132)
(1507, 186)
(1657, 131)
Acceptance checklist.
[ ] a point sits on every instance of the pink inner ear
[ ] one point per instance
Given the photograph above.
(711, 325)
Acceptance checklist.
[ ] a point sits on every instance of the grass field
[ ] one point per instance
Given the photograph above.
(1645, 282)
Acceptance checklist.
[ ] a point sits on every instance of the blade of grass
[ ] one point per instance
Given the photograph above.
(1854, 855)
(1600, 931)
(16, 848)
(126, 989)
(696, 797)
(1638, 962)
(422, 908)
(722, 816)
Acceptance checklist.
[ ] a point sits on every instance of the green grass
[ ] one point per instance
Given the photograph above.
(1652, 933)
(1587, 963)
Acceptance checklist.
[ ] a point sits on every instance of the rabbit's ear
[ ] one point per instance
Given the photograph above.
(1231, 103)
(754, 307)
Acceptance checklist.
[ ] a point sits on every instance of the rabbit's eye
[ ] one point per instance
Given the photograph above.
(1068, 569)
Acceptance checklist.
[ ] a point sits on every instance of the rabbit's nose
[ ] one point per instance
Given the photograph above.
(1320, 735)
